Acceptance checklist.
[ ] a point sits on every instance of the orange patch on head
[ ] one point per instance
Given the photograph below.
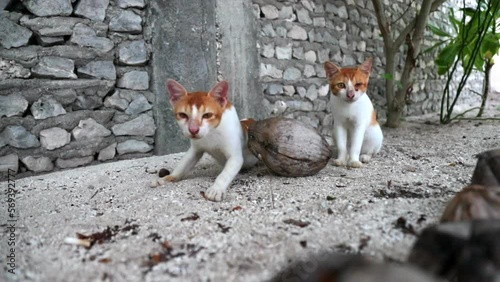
(339, 77)
(374, 118)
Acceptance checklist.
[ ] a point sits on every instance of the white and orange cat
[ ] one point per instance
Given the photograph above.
(357, 134)
(212, 124)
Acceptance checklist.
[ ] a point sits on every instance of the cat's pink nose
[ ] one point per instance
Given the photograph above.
(194, 130)
(350, 95)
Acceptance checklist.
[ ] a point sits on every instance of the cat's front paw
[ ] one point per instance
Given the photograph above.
(339, 162)
(355, 164)
(215, 194)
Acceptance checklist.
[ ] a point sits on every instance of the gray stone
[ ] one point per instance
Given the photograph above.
(92, 9)
(297, 33)
(298, 53)
(323, 90)
(286, 12)
(330, 8)
(270, 12)
(327, 120)
(54, 67)
(143, 125)
(310, 56)
(327, 37)
(38, 164)
(87, 102)
(348, 60)
(319, 105)
(133, 146)
(289, 90)
(12, 105)
(270, 70)
(9, 163)
(46, 107)
(99, 70)
(342, 12)
(284, 52)
(309, 71)
(53, 138)
(303, 16)
(320, 22)
(11, 69)
(292, 73)
(305, 106)
(268, 30)
(45, 8)
(281, 31)
(274, 89)
(138, 106)
(85, 36)
(302, 91)
(133, 53)
(268, 50)
(361, 46)
(116, 102)
(309, 5)
(89, 129)
(107, 153)
(126, 21)
(323, 55)
(312, 92)
(135, 80)
(64, 96)
(52, 26)
(130, 3)
(12, 34)
(13, 16)
(74, 162)
(70, 120)
(129, 95)
(49, 40)
(17, 136)
(256, 10)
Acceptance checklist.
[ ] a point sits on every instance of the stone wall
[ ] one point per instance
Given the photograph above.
(74, 83)
(298, 36)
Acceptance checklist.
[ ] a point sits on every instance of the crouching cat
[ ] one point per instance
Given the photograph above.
(357, 134)
(213, 126)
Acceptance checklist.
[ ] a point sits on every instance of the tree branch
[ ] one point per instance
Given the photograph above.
(402, 36)
(382, 21)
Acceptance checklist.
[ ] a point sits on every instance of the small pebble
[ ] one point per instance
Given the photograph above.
(163, 172)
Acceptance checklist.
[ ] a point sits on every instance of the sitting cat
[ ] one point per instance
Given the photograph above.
(357, 134)
(212, 124)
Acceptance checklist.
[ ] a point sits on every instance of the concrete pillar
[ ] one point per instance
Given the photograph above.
(184, 49)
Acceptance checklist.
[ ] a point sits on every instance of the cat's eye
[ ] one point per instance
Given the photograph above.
(207, 115)
(182, 115)
(358, 84)
(341, 85)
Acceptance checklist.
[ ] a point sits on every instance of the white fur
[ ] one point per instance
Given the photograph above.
(226, 143)
(355, 138)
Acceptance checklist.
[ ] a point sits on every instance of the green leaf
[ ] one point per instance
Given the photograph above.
(388, 76)
(489, 46)
(446, 58)
(437, 31)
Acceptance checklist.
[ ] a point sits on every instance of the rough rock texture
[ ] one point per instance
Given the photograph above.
(133, 146)
(9, 163)
(133, 53)
(44, 8)
(136, 80)
(58, 75)
(17, 136)
(46, 107)
(98, 69)
(12, 105)
(12, 34)
(54, 67)
(142, 125)
(89, 129)
(92, 9)
(53, 138)
(38, 164)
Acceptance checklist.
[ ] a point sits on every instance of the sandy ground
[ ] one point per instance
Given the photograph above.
(243, 238)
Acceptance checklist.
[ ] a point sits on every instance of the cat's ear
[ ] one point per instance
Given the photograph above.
(219, 92)
(331, 69)
(366, 67)
(176, 90)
